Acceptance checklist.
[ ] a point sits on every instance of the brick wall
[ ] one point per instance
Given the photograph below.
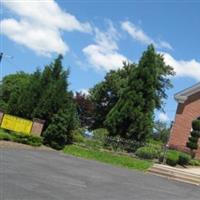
(37, 127)
(185, 114)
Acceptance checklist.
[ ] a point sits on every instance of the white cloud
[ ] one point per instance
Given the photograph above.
(163, 117)
(139, 35)
(84, 91)
(184, 68)
(40, 25)
(104, 55)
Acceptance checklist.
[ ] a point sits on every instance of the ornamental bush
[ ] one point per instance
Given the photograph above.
(148, 152)
(21, 138)
(59, 132)
(100, 134)
(118, 143)
(184, 159)
(194, 136)
(172, 157)
(194, 162)
(196, 125)
(78, 135)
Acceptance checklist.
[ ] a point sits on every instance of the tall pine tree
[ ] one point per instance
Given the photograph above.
(132, 116)
(54, 96)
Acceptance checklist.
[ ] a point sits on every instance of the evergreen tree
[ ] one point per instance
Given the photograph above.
(194, 137)
(105, 94)
(59, 132)
(132, 116)
(54, 93)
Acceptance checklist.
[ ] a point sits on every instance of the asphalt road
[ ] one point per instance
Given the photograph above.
(48, 175)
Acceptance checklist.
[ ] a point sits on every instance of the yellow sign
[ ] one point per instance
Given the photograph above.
(16, 124)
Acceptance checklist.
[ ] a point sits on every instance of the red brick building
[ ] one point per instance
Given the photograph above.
(188, 109)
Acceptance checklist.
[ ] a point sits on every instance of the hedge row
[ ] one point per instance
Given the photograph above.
(21, 138)
(175, 157)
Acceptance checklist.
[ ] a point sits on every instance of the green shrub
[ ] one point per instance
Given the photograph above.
(184, 159)
(192, 145)
(118, 143)
(93, 144)
(148, 152)
(5, 136)
(27, 139)
(193, 139)
(21, 138)
(100, 134)
(77, 135)
(59, 131)
(194, 136)
(196, 124)
(194, 162)
(172, 158)
(154, 142)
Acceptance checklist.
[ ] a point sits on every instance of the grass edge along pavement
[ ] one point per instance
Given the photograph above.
(108, 157)
(31, 140)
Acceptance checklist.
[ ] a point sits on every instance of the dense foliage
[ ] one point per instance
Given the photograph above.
(21, 138)
(84, 108)
(43, 94)
(121, 107)
(194, 137)
(174, 157)
(105, 94)
(133, 114)
(149, 152)
(59, 132)
(161, 131)
(39, 95)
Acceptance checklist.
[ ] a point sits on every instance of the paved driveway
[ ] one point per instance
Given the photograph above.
(48, 175)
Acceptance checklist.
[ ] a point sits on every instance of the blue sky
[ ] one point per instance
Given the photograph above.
(96, 36)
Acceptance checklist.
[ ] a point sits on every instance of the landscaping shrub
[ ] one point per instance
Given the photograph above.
(172, 158)
(5, 136)
(194, 162)
(27, 139)
(194, 137)
(184, 159)
(148, 152)
(78, 135)
(120, 144)
(59, 132)
(196, 124)
(21, 138)
(100, 134)
(93, 144)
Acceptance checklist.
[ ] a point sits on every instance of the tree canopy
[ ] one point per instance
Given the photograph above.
(124, 102)
(133, 114)
(105, 94)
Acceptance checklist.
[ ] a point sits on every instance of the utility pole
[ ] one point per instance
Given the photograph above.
(1, 56)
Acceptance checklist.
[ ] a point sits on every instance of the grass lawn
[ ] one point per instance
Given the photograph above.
(108, 157)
